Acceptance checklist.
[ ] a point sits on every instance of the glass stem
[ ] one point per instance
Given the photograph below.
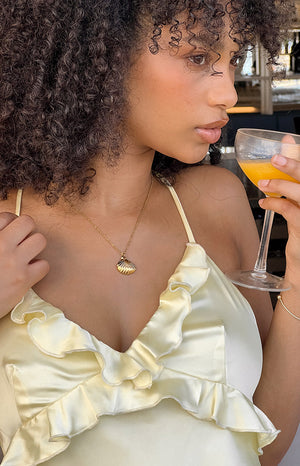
(261, 261)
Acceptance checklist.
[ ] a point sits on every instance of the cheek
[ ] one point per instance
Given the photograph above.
(172, 87)
(168, 100)
(164, 84)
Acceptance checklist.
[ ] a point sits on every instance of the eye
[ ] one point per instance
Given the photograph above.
(200, 59)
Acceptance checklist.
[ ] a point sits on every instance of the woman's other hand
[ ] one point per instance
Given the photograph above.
(20, 244)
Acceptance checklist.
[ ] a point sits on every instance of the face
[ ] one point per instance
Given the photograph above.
(179, 101)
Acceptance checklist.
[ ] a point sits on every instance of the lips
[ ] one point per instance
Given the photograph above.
(211, 132)
(209, 135)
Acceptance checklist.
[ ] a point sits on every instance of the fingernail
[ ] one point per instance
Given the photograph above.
(261, 201)
(263, 183)
(280, 160)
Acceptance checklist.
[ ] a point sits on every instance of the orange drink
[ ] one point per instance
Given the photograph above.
(257, 170)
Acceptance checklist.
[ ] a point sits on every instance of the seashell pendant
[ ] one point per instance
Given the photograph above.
(125, 267)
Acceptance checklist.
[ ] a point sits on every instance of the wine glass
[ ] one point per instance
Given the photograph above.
(254, 149)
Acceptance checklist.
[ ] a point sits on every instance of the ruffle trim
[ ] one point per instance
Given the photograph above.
(110, 391)
(207, 401)
(57, 336)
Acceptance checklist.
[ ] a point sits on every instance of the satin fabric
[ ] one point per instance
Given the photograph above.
(180, 395)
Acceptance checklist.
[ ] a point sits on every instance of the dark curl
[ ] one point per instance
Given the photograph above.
(63, 65)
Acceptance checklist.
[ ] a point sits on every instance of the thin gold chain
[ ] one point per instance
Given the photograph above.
(98, 229)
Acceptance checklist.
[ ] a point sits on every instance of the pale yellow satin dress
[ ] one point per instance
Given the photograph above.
(180, 395)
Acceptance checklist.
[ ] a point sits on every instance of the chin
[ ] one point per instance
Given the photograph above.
(195, 157)
(186, 153)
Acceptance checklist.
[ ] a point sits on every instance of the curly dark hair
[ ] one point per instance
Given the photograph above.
(63, 66)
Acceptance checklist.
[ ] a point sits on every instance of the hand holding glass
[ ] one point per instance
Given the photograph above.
(254, 149)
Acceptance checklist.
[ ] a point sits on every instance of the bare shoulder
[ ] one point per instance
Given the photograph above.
(218, 194)
(221, 218)
(217, 182)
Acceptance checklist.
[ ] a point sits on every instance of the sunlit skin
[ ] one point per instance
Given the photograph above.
(173, 93)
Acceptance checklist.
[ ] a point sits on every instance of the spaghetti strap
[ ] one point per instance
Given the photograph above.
(182, 215)
(19, 202)
(172, 191)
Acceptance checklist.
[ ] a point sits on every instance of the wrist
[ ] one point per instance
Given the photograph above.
(295, 314)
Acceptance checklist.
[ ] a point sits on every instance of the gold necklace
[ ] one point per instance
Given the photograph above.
(124, 266)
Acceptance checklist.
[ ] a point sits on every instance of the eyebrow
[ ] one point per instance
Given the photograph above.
(200, 41)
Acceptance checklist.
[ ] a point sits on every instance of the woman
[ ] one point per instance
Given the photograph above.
(147, 353)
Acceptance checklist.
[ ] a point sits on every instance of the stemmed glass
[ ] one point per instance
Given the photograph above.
(254, 149)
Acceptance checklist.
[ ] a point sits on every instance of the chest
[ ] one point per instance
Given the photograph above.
(85, 284)
(87, 287)
(83, 280)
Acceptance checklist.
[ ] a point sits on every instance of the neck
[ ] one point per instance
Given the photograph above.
(122, 188)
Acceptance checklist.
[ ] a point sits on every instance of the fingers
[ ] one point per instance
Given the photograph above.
(17, 230)
(6, 218)
(290, 148)
(31, 247)
(289, 165)
(288, 139)
(289, 185)
(19, 247)
(37, 270)
(288, 209)
(20, 269)
(278, 188)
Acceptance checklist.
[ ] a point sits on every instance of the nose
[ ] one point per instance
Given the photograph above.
(222, 91)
